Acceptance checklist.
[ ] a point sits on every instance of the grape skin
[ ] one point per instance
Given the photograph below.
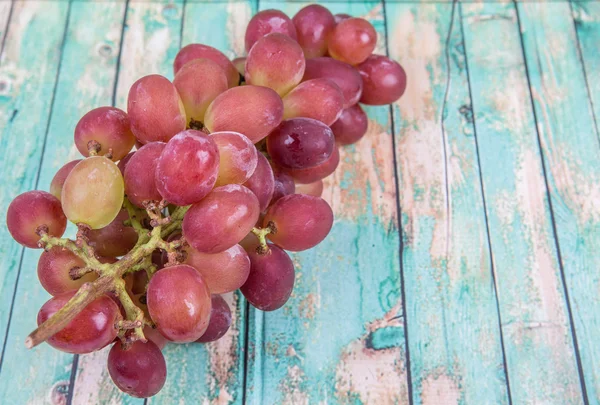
(384, 80)
(220, 320)
(352, 40)
(197, 51)
(318, 172)
(238, 157)
(284, 185)
(59, 178)
(140, 174)
(320, 99)
(53, 271)
(344, 75)
(314, 24)
(267, 22)
(315, 189)
(351, 126)
(115, 239)
(262, 182)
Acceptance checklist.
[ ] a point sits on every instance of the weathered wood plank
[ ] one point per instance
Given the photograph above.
(539, 349)
(452, 316)
(340, 339)
(5, 9)
(569, 144)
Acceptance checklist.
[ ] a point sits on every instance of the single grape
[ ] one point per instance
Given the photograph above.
(352, 40)
(109, 126)
(314, 24)
(139, 371)
(93, 192)
(238, 157)
(197, 51)
(178, 300)
(345, 76)
(320, 99)
(300, 143)
(318, 172)
(262, 182)
(59, 178)
(302, 221)
(250, 110)
(284, 185)
(275, 61)
(139, 279)
(221, 219)
(53, 271)
(224, 271)
(115, 239)
(351, 126)
(315, 189)
(90, 330)
(187, 168)
(155, 337)
(199, 82)
(384, 80)
(140, 174)
(220, 320)
(341, 17)
(123, 162)
(271, 279)
(240, 64)
(267, 22)
(30, 210)
(155, 109)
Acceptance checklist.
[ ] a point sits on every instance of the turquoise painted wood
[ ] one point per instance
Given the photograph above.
(461, 268)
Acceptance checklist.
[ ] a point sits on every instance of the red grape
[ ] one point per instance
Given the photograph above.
(315, 189)
(314, 24)
(91, 330)
(123, 162)
(284, 185)
(53, 271)
(344, 75)
(221, 219)
(30, 210)
(140, 370)
(224, 271)
(240, 64)
(238, 157)
(140, 174)
(271, 279)
(250, 110)
(199, 82)
(155, 337)
(220, 320)
(302, 221)
(275, 61)
(139, 279)
(350, 126)
(187, 168)
(262, 182)
(384, 80)
(115, 239)
(320, 99)
(109, 126)
(300, 143)
(155, 109)
(179, 303)
(196, 51)
(318, 172)
(267, 22)
(341, 17)
(352, 40)
(59, 178)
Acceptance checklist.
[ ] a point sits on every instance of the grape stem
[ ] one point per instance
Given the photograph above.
(261, 234)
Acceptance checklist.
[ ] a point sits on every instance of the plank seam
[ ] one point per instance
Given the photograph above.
(71, 391)
(118, 68)
(10, 13)
(552, 219)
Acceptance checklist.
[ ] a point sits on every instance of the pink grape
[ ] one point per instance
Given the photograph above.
(199, 82)
(220, 320)
(267, 22)
(240, 64)
(155, 337)
(123, 162)
(30, 210)
(155, 109)
(271, 279)
(352, 40)
(224, 271)
(90, 330)
(344, 75)
(221, 219)
(187, 168)
(179, 303)
(238, 157)
(262, 182)
(140, 174)
(351, 126)
(109, 126)
(318, 172)
(384, 80)
(315, 189)
(275, 61)
(139, 371)
(53, 271)
(115, 239)
(314, 24)
(284, 185)
(250, 110)
(300, 143)
(302, 222)
(197, 51)
(341, 17)
(59, 178)
(320, 99)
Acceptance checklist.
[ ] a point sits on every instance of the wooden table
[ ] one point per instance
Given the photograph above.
(464, 264)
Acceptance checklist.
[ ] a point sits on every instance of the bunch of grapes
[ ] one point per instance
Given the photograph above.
(226, 177)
